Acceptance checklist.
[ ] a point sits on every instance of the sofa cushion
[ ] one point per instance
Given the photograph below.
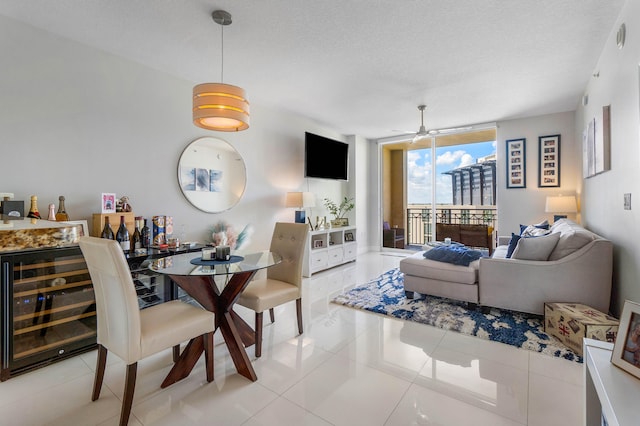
(456, 255)
(572, 238)
(418, 266)
(536, 248)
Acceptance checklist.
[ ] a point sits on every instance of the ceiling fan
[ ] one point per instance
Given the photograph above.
(423, 133)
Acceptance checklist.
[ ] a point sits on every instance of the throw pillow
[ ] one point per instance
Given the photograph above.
(542, 225)
(456, 255)
(536, 248)
(512, 244)
(534, 231)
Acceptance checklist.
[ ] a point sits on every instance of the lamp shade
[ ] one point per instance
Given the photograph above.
(222, 107)
(300, 200)
(561, 204)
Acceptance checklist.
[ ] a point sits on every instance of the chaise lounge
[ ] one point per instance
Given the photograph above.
(577, 268)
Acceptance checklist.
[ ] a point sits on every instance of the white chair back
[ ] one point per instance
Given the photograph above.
(116, 300)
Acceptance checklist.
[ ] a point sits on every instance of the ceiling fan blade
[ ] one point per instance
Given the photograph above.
(449, 130)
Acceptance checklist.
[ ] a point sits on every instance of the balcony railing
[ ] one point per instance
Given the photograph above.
(420, 225)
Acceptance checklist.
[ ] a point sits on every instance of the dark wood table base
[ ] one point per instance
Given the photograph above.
(236, 332)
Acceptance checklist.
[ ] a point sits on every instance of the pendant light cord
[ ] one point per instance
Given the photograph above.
(222, 55)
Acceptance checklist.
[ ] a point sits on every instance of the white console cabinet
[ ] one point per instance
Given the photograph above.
(328, 248)
(611, 394)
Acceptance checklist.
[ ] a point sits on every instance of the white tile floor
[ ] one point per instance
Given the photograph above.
(349, 368)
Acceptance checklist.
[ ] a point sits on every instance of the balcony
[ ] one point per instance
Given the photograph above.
(420, 224)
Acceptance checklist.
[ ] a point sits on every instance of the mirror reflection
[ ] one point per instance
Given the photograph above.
(212, 174)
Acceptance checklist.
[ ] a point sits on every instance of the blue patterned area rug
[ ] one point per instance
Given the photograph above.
(385, 295)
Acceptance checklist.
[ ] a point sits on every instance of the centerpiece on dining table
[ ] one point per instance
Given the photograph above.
(224, 239)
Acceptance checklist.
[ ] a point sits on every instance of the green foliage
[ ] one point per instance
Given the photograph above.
(339, 210)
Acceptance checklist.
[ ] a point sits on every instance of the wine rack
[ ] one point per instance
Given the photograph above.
(48, 308)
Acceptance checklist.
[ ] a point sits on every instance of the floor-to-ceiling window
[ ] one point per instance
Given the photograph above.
(447, 177)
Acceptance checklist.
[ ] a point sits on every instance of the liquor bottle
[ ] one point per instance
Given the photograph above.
(62, 211)
(145, 235)
(33, 210)
(52, 212)
(136, 239)
(122, 236)
(107, 232)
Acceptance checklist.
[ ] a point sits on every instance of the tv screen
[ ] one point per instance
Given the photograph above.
(325, 158)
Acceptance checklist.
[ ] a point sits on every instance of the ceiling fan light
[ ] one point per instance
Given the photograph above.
(422, 132)
(419, 137)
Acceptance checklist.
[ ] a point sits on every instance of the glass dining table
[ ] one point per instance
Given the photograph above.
(216, 285)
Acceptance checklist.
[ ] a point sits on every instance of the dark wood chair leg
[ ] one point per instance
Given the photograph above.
(272, 315)
(208, 355)
(129, 389)
(409, 294)
(299, 314)
(258, 347)
(176, 353)
(100, 366)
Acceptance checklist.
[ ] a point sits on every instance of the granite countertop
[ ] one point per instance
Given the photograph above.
(25, 233)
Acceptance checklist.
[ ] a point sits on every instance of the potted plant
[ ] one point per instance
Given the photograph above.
(339, 210)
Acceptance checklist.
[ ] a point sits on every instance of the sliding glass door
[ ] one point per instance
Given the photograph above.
(445, 179)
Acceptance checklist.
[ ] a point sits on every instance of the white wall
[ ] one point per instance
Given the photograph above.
(526, 206)
(602, 207)
(77, 121)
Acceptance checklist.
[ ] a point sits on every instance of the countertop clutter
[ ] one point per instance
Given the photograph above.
(26, 233)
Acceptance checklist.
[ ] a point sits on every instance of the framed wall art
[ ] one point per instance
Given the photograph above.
(596, 144)
(549, 161)
(626, 351)
(516, 163)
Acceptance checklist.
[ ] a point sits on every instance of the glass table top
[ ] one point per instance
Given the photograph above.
(181, 264)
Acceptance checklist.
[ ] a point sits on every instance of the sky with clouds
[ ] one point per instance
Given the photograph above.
(419, 170)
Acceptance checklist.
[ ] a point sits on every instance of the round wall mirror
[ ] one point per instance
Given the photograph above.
(212, 174)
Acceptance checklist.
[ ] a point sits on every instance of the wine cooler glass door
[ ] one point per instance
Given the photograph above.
(48, 308)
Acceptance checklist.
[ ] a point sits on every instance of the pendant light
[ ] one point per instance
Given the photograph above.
(422, 132)
(219, 106)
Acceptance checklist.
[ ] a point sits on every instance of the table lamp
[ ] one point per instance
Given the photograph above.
(561, 204)
(300, 200)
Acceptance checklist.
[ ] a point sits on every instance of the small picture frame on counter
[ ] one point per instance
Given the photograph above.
(12, 209)
(626, 351)
(108, 202)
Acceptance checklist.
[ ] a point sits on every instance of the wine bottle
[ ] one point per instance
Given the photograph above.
(122, 236)
(52, 212)
(107, 232)
(136, 239)
(62, 211)
(145, 235)
(33, 210)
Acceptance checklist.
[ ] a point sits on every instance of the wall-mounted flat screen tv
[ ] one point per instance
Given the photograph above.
(325, 158)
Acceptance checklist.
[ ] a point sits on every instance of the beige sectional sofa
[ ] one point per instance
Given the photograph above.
(578, 269)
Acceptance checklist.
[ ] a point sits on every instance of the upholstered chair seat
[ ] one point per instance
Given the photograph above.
(127, 331)
(284, 280)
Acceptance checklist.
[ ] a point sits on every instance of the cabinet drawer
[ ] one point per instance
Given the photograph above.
(319, 261)
(350, 251)
(336, 255)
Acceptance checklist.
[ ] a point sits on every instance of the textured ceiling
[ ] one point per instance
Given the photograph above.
(359, 67)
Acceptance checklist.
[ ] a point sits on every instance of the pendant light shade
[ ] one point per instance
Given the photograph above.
(219, 106)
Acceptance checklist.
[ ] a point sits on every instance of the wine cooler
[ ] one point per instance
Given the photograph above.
(48, 309)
